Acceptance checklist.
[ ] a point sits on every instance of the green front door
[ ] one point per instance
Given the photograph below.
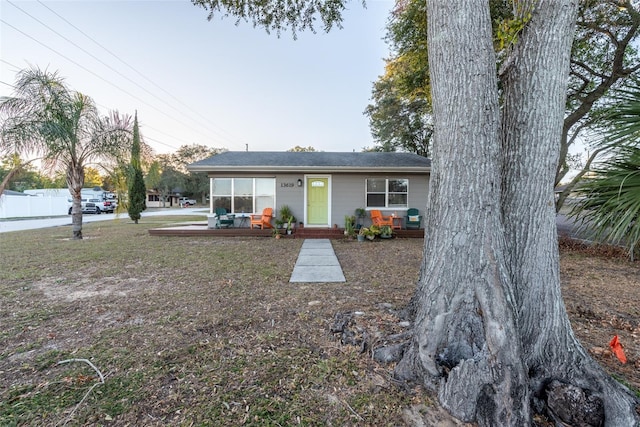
(318, 201)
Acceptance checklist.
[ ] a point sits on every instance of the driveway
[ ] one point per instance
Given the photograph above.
(566, 226)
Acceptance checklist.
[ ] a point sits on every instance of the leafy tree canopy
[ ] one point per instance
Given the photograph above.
(188, 154)
(298, 149)
(603, 58)
(92, 177)
(169, 172)
(279, 16)
(400, 112)
(26, 175)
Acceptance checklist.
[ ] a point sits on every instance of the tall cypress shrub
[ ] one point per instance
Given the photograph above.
(137, 189)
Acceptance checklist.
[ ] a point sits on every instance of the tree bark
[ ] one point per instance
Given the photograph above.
(533, 110)
(465, 344)
(5, 182)
(13, 173)
(75, 181)
(491, 333)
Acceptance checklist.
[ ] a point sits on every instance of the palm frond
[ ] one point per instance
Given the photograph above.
(619, 124)
(610, 199)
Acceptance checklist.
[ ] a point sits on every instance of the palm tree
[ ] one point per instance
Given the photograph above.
(62, 128)
(610, 202)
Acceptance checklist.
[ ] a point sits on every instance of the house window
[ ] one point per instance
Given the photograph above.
(153, 198)
(243, 195)
(221, 193)
(387, 193)
(265, 194)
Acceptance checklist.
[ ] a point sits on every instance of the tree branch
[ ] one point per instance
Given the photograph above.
(88, 362)
(12, 173)
(565, 193)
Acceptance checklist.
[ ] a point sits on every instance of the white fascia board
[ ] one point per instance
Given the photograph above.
(319, 169)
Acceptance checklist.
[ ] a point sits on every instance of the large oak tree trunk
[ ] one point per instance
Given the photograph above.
(533, 109)
(491, 333)
(465, 343)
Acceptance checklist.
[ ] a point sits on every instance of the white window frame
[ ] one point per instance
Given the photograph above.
(386, 194)
(253, 196)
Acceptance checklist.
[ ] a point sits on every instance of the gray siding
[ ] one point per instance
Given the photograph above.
(288, 193)
(347, 192)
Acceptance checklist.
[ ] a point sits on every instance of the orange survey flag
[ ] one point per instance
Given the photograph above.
(616, 347)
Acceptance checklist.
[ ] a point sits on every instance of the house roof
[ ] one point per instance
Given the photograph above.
(315, 161)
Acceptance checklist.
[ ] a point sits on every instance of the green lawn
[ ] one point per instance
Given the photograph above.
(192, 331)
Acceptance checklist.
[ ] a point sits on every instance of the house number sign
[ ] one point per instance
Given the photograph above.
(287, 184)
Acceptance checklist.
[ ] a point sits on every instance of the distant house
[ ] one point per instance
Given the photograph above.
(319, 187)
(156, 199)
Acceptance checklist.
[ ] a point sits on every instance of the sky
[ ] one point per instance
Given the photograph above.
(212, 83)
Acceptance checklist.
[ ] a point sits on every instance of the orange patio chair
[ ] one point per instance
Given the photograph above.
(378, 219)
(264, 220)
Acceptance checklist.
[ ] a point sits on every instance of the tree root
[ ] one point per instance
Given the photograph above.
(558, 401)
(573, 405)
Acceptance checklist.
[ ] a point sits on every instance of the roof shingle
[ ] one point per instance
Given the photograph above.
(262, 160)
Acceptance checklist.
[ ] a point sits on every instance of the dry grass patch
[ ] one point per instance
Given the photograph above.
(208, 331)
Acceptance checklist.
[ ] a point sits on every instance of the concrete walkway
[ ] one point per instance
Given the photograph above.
(317, 262)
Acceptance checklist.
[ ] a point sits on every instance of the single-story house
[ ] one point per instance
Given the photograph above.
(321, 188)
(155, 199)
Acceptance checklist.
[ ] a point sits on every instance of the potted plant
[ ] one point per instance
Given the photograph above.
(286, 219)
(370, 232)
(362, 234)
(349, 225)
(285, 212)
(386, 232)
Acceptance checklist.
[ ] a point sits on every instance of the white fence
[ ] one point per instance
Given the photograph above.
(30, 206)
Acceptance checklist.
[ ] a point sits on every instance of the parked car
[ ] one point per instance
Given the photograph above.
(99, 205)
(185, 201)
(109, 206)
(94, 206)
